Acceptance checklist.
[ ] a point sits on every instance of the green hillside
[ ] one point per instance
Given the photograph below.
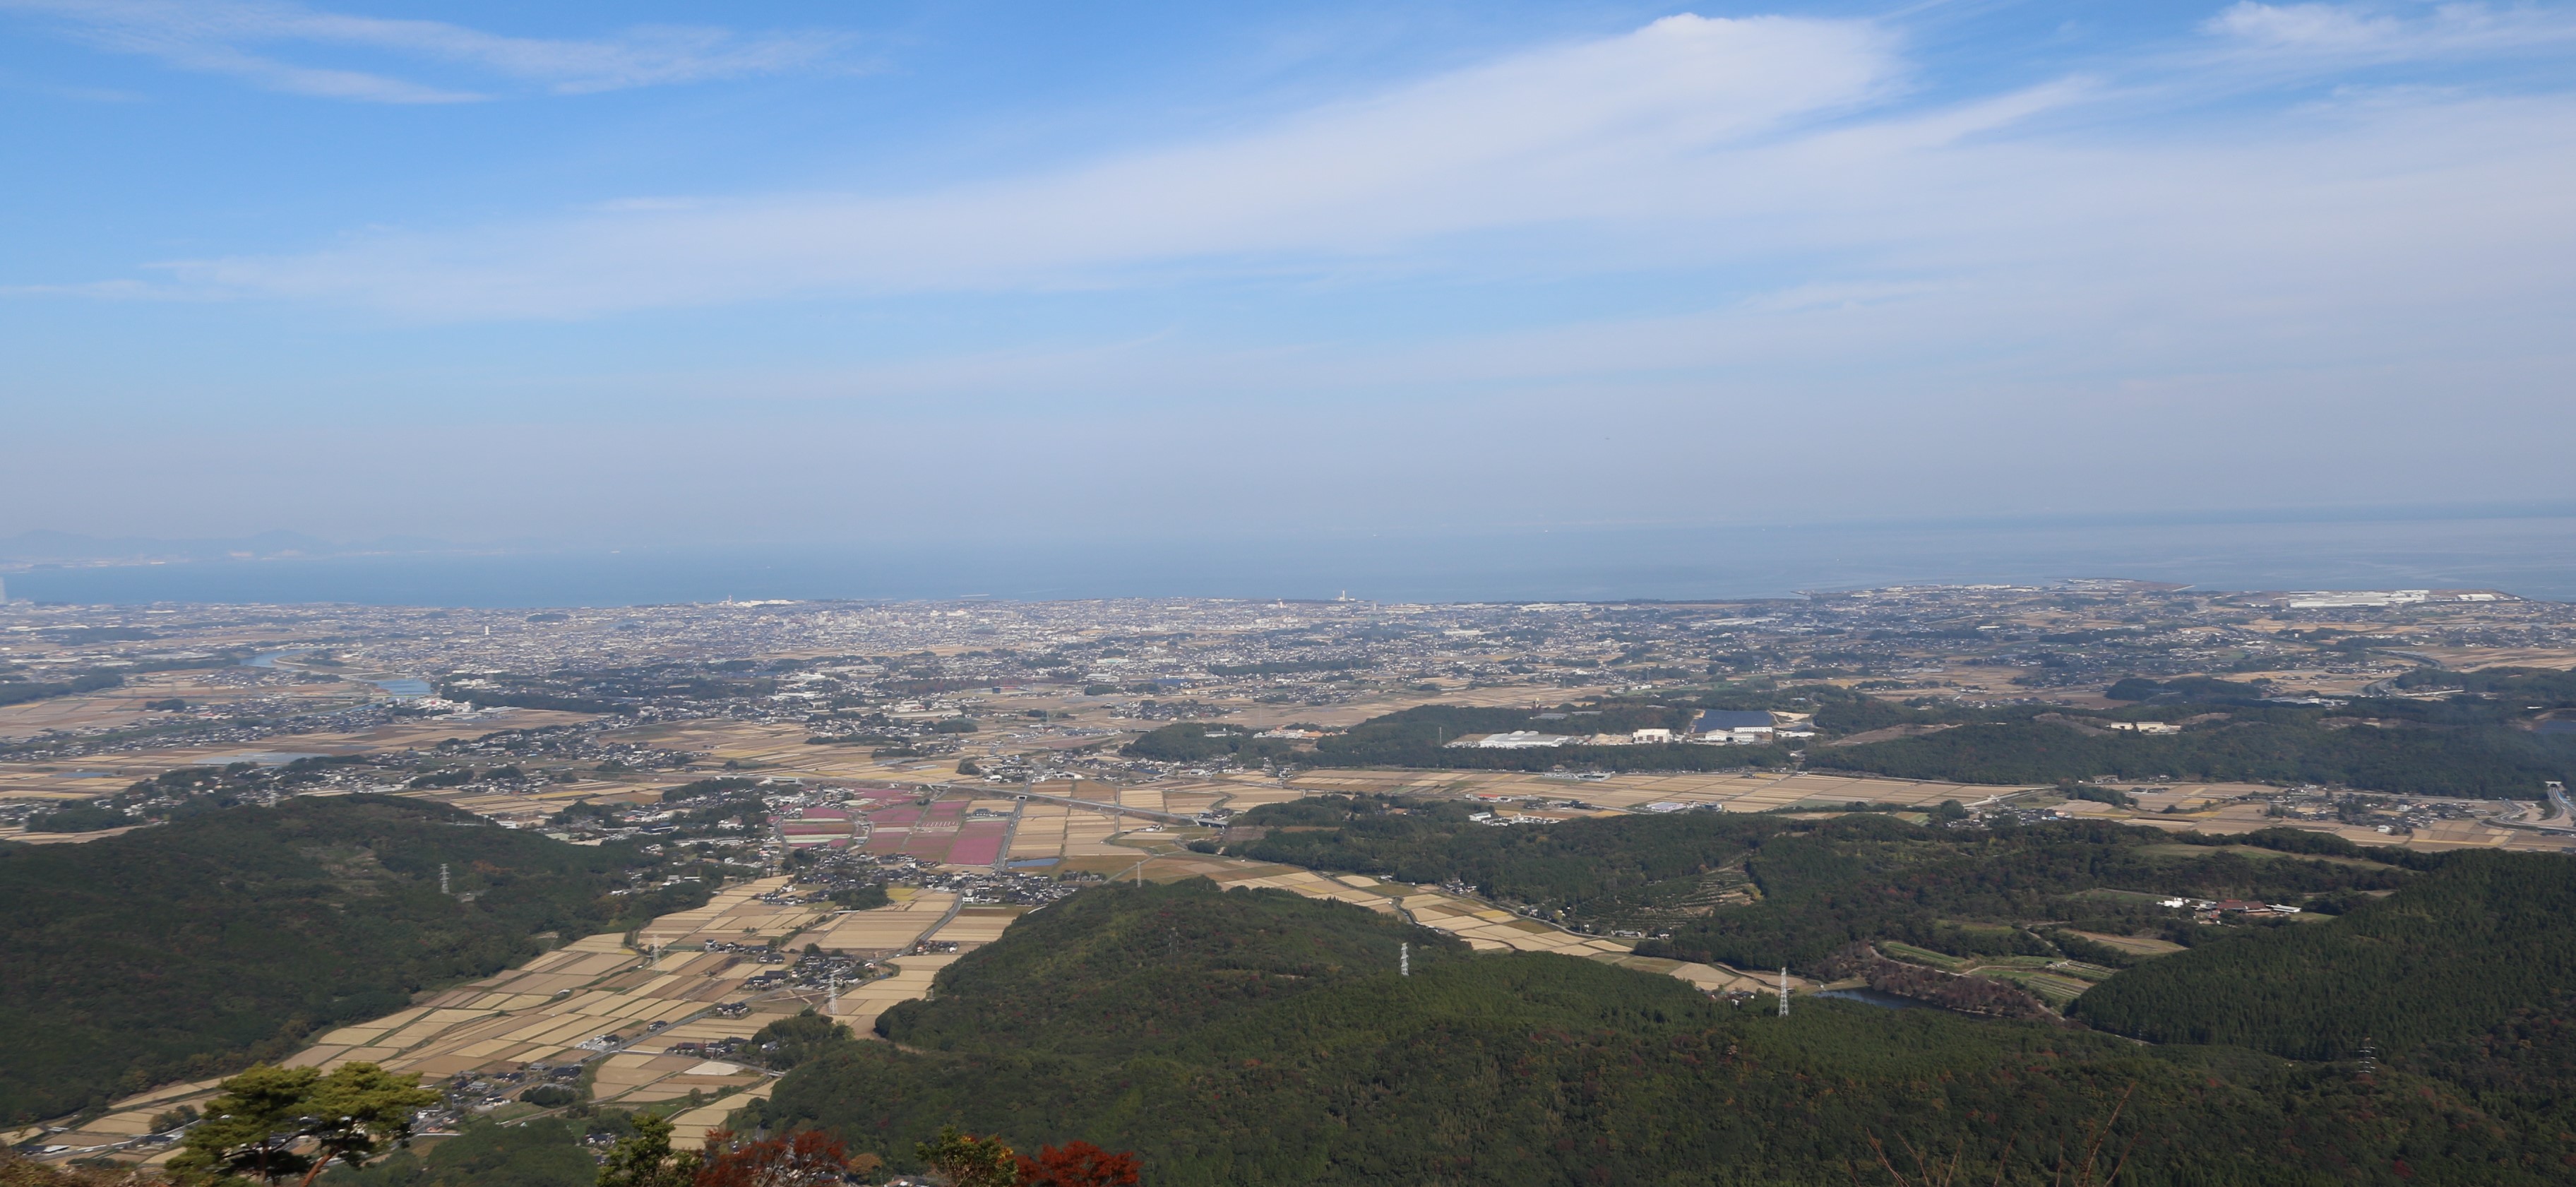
(1183, 963)
(2480, 743)
(1764, 891)
(194, 947)
(2468, 976)
(2482, 760)
(1533, 1069)
(2453, 954)
(1418, 737)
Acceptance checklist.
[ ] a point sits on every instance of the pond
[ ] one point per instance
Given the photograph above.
(1872, 997)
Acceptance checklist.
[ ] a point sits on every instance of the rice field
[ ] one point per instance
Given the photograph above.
(656, 1002)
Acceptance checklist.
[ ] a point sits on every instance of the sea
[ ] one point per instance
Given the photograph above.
(2532, 556)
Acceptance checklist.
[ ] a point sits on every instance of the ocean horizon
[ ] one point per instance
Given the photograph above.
(2529, 556)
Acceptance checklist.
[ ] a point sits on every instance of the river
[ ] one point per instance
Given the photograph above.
(399, 686)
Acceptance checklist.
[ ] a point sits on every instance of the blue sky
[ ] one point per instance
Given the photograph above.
(671, 273)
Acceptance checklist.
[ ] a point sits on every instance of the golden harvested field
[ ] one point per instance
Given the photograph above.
(92, 777)
(541, 1011)
(2133, 945)
(1041, 831)
(2228, 808)
(885, 930)
(689, 1129)
(781, 750)
(976, 926)
(122, 706)
(2469, 659)
(1483, 926)
(1260, 716)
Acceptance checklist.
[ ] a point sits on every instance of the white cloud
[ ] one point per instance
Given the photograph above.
(214, 37)
(1609, 130)
(1740, 146)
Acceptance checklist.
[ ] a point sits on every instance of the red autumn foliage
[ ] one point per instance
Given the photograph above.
(1078, 1164)
(805, 1158)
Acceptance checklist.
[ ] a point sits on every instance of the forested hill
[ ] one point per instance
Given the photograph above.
(2481, 742)
(1294, 1055)
(2468, 975)
(1419, 737)
(2453, 954)
(1100, 973)
(194, 947)
(2481, 760)
(1763, 891)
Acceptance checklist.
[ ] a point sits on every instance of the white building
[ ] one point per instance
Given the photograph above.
(1521, 740)
(1733, 726)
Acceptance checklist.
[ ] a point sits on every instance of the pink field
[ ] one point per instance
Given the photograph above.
(978, 844)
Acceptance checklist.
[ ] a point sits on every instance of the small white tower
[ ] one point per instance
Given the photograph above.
(1404, 959)
(1784, 991)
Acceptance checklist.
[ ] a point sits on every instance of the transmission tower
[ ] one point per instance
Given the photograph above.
(1784, 991)
(442, 877)
(1404, 959)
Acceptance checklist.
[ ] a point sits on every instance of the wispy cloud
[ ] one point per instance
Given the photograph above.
(1764, 153)
(13, 81)
(243, 39)
(1780, 265)
(2379, 33)
(1607, 130)
(125, 290)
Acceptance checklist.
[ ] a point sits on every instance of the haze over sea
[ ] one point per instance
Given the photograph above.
(2532, 555)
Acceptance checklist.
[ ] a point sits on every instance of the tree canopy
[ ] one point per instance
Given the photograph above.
(225, 937)
(1537, 1069)
(261, 1123)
